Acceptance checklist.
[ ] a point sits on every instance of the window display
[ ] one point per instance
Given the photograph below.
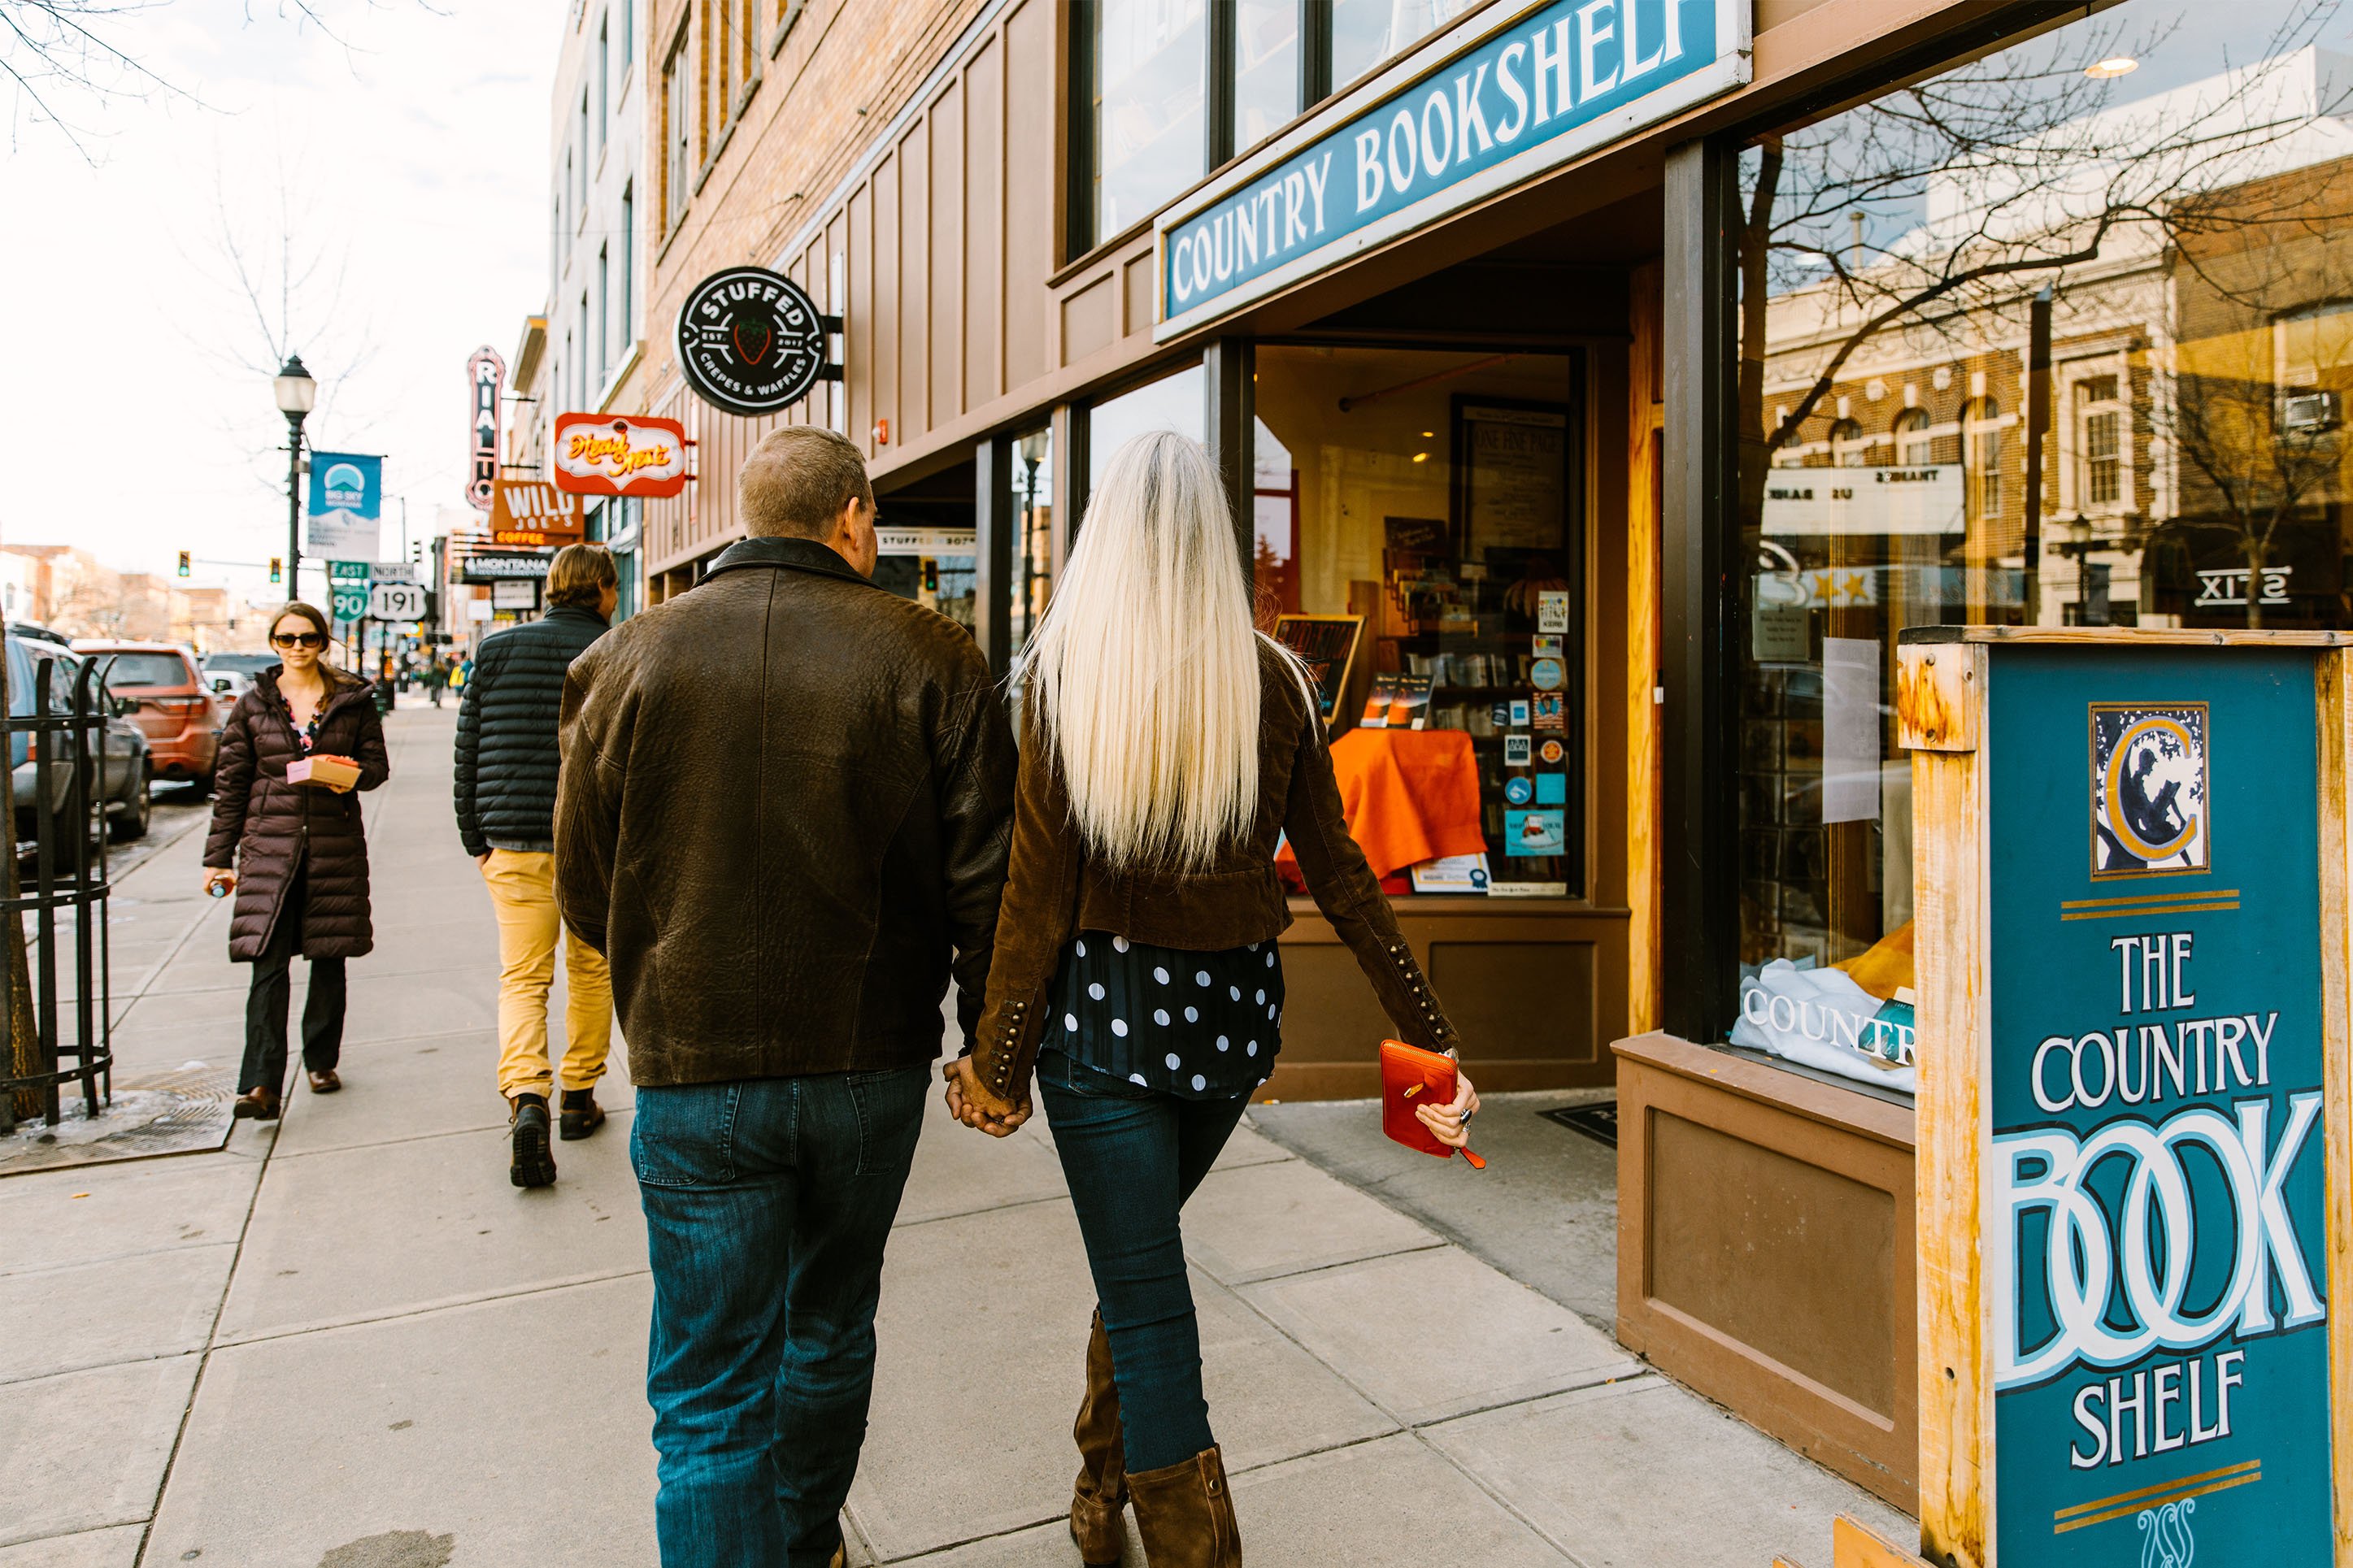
(2053, 338)
(1439, 497)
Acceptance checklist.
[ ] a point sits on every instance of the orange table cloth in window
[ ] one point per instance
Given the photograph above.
(1411, 795)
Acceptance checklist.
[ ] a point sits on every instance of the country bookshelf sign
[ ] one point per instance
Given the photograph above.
(1513, 91)
(2130, 885)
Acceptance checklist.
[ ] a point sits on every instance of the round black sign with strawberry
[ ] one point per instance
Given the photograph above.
(750, 341)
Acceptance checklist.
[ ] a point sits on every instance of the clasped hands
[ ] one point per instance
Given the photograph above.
(974, 1104)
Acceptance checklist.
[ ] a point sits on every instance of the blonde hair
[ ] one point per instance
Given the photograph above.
(1144, 669)
(580, 573)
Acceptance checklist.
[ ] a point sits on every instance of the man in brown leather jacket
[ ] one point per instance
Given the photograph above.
(783, 817)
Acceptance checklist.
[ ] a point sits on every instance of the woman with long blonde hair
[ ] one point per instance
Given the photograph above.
(1168, 747)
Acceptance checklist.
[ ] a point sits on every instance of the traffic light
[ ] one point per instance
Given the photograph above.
(277, 568)
(183, 562)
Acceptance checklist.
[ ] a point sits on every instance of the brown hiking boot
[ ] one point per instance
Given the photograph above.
(533, 1166)
(1097, 1499)
(1185, 1515)
(581, 1115)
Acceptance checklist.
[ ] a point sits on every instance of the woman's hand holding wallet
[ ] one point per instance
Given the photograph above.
(1427, 1103)
(1451, 1124)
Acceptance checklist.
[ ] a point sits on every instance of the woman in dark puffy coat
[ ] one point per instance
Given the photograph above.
(294, 854)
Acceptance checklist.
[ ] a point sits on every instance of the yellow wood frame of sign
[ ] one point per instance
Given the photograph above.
(532, 512)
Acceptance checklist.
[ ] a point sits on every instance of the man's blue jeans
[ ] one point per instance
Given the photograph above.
(1132, 1156)
(767, 1204)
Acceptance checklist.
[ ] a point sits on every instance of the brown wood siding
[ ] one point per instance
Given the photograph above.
(1028, 204)
(859, 337)
(883, 314)
(943, 325)
(982, 307)
(914, 323)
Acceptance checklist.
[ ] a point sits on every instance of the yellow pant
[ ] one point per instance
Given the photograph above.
(522, 896)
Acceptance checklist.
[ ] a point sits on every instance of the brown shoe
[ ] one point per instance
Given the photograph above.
(1097, 1523)
(579, 1116)
(1185, 1515)
(325, 1082)
(258, 1104)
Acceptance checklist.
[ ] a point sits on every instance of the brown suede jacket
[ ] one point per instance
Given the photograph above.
(1054, 891)
(782, 816)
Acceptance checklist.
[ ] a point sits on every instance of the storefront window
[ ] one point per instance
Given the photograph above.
(1419, 535)
(1266, 68)
(1367, 32)
(1149, 58)
(1177, 402)
(2157, 204)
(1144, 69)
(1033, 543)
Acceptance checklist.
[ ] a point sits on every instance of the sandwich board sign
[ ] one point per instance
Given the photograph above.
(2130, 868)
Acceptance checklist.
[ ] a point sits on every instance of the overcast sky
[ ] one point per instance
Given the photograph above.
(412, 156)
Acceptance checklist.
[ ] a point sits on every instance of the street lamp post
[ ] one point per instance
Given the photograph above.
(297, 395)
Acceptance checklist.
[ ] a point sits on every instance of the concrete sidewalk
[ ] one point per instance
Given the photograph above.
(348, 1342)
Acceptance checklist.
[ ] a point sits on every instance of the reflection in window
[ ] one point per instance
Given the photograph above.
(1367, 32)
(1266, 68)
(1178, 403)
(1914, 446)
(2100, 438)
(1149, 59)
(1848, 448)
(2197, 475)
(1981, 431)
(1033, 542)
(2312, 347)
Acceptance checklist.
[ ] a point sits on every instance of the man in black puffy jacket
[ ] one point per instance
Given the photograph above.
(507, 760)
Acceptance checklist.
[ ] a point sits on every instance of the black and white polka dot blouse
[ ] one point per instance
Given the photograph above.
(1199, 1025)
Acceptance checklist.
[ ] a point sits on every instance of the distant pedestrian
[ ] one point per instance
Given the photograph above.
(784, 814)
(1168, 746)
(295, 854)
(437, 677)
(506, 768)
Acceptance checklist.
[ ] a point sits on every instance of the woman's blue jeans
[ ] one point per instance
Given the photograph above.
(767, 1204)
(1132, 1156)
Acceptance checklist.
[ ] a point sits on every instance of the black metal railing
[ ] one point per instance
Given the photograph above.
(66, 733)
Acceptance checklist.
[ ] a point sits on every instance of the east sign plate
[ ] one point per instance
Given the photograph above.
(750, 341)
(2154, 1240)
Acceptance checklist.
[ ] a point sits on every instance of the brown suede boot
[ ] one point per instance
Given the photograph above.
(1185, 1514)
(1097, 1523)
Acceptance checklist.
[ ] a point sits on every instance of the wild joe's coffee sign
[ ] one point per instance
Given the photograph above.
(750, 341)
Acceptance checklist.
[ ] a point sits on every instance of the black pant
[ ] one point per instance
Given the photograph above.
(265, 1005)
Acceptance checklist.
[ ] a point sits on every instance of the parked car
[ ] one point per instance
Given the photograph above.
(230, 675)
(176, 706)
(126, 768)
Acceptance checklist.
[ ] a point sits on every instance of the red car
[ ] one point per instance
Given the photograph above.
(176, 710)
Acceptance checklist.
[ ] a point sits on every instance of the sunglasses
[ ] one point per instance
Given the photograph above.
(297, 639)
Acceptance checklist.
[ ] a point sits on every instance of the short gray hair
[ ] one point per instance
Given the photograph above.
(798, 480)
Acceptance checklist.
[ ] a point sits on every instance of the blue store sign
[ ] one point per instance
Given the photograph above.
(1503, 100)
(2154, 1230)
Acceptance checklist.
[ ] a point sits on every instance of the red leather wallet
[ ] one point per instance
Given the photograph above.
(1411, 1076)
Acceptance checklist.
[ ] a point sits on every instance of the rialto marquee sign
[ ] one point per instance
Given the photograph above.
(1503, 100)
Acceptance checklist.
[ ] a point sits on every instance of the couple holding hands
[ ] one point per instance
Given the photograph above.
(791, 812)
